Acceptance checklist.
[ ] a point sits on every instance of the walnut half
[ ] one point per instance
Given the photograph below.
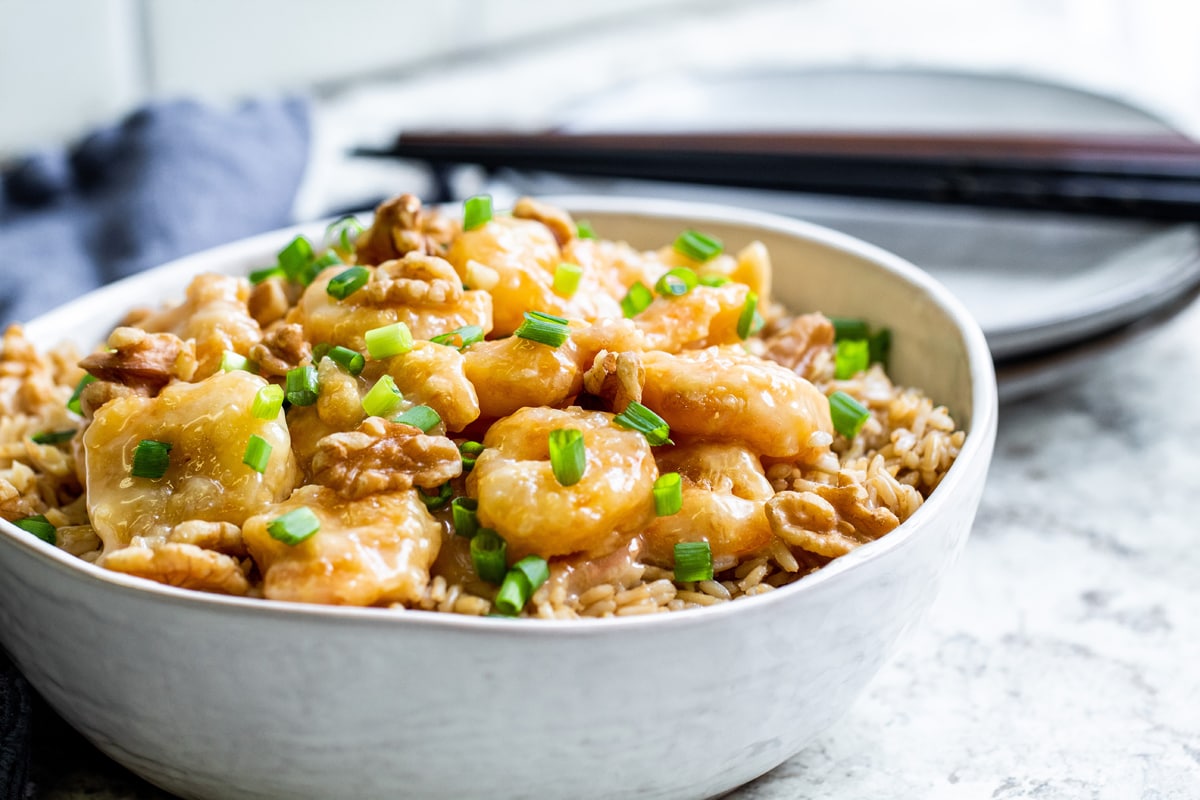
(828, 520)
(383, 456)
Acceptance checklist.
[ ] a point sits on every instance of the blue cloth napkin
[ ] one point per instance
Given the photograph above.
(171, 179)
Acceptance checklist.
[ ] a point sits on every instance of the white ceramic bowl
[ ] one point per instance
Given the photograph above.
(216, 697)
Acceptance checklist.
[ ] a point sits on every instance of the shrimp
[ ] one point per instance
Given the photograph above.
(421, 291)
(434, 375)
(724, 492)
(208, 425)
(524, 255)
(521, 499)
(373, 550)
(704, 316)
(509, 374)
(726, 394)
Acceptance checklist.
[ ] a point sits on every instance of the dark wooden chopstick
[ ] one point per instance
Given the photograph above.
(1154, 177)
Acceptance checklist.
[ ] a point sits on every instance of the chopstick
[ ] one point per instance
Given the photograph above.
(1154, 176)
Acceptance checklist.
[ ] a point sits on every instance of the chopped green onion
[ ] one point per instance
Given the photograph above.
(851, 357)
(713, 280)
(39, 526)
(677, 282)
(535, 570)
(636, 300)
(668, 494)
(750, 321)
(697, 246)
(435, 501)
(348, 282)
(584, 230)
(566, 278)
(383, 398)
(641, 419)
(302, 386)
(344, 232)
(466, 336)
(880, 346)
(422, 417)
(267, 402)
(389, 340)
(151, 459)
(351, 361)
(296, 258)
(847, 413)
(477, 211)
(848, 328)
(73, 403)
(466, 520)
(295, 526)
(258, 452)
(231, 361)
(568, 456)
(489, 554)
(693, 562)
(53, 437)
(320, 350)
(470, 451)
(520, 583)
(266, 273)
(543, 328)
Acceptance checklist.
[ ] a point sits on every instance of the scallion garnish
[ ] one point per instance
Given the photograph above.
(39, 526)
(53, 437)
(295, 526)
(584, 230)
(641, 419)
(880, 346)
(566, 278)
(697, 246)
(350, 360)
(848, 328)
(489, 554)
(470, 451)
(344, 233)
(465, 336)
(525, 577)
(383, 398)
(676, 282)
(348, 282)
(435, 501)
(693, 562)
(851, 357)
(543, 328)
(636, 300)
(258, 453)
(568, 456)
(267, 402)
(266, 273)
(422, 417)
(151, 459)
(668, 494)
(302, 386)
(389, 340)
(713, 280)
(320, 350)
(750, 321)
(231, 361)
(73, 403)
(477, 211)
(466, 519)
(848, 414)
(296, 258)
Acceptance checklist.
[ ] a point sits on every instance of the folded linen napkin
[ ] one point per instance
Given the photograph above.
(171, 179)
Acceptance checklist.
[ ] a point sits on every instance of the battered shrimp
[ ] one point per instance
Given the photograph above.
(704, 316)
(433, 375)
(509, 374)
(208, 425)
(724, 492)
(726, 394)
(521, 499)
(215, 315)
(524, 255)
(417, 290)
(370, 551)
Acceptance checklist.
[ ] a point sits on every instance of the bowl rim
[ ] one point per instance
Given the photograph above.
(977, 446)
